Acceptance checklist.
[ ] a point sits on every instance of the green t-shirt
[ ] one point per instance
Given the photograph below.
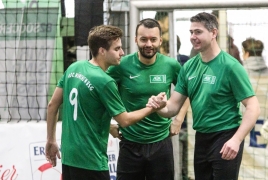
(90, 99)
(215, 90)
(137, 82)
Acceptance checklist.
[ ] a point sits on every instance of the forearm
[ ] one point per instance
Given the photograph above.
(128, 118)
(174, 104)
(170, 110)
(136, 116)
(52, 113)
(52, 118)
(183, 111)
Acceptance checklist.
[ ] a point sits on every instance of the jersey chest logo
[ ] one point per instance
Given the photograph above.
(158, 79)
(208, 79)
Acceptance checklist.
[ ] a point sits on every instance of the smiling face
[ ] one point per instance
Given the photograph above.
(201, 37)
(148, 41)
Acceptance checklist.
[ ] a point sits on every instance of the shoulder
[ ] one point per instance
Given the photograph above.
(78, 63)
(129, 56)
(77, 66)
(229, 59)
(126, 60)
(193, 61)
(103, 78)
(167, 60)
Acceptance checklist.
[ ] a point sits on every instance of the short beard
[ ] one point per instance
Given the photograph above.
(147, 56)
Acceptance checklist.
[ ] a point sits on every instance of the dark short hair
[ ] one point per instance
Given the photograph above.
(253, 47)
(209, 20)
(149, 23)
(102, 36)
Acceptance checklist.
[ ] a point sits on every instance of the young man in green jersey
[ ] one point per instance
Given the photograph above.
(90, 99)
(215, 83)
(145, 147)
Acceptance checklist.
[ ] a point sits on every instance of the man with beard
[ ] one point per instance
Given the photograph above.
(146, 148)
(215, 83)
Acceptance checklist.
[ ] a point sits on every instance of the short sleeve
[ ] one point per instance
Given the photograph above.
(181, 85)
(111, 99)
(240, 83)
(114, 72)
(61, 82)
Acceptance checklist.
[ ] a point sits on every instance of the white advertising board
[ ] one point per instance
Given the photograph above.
(22, 152)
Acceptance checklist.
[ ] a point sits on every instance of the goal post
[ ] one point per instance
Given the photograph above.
(136, 6)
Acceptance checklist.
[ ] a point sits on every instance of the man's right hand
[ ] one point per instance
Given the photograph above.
(157, 102)
(114, 131)
(52, 152)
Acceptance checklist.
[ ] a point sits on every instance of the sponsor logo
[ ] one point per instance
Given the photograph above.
(132, 77)
(208, 79)
(192, 77)
(41, 169)
(47, 172)
(157, 78)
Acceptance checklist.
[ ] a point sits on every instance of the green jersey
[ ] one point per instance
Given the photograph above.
(90, 99)
(215, 90)
(137, 82)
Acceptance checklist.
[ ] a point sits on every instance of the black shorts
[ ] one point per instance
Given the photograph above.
(152, 161)
(74, 173)
(208, 164)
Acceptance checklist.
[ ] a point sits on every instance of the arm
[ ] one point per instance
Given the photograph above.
(250, 116)
(52, 149)
(128, 118)
(178, 120)
(174, 104)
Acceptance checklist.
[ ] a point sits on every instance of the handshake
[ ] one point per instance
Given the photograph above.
(157, 102)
